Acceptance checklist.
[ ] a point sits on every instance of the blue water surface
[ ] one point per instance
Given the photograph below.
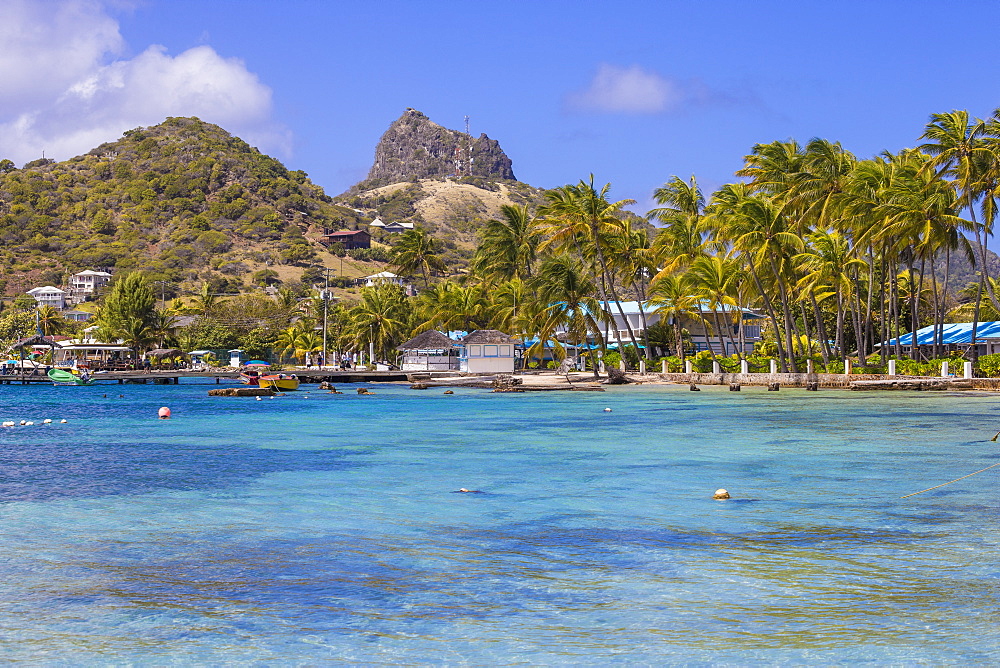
(316, 528)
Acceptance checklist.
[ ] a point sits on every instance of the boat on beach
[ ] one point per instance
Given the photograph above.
(279, 382)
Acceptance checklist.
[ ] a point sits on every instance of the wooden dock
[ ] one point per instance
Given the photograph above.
(173, 377)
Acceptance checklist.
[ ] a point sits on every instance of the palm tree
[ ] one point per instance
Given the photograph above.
(562, 285)
(681, 241)
(51, 321)
(136, 334)
(580, 218)
(381, 318)
(205, 300)
(508, 247)
(672, 297)
(958, 150)
(716, 279)
(162, 325)
(416, 250)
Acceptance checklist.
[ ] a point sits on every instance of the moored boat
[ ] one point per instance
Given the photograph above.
(280, 382)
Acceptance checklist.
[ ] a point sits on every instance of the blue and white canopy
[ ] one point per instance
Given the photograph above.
(953, 333)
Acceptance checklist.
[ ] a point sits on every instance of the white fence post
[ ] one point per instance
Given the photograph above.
(967, 370)
(744, 366)
(687, 366)
(642, 366)
(847, 365)
(892, 367)
(664, 366)
(774, 366)
(715, 367)
(944, 369)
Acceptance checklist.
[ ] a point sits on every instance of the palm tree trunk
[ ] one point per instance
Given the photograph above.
(769, 308)
(821, 329)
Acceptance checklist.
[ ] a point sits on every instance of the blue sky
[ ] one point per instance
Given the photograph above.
(632, 91)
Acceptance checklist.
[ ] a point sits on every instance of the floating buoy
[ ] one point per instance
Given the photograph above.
(258, 399)
(164, 413)
(29, 424)
(47, 421)
(607, 410)
(720, 494)
(24, 422)
(62, 421)
(9, 423)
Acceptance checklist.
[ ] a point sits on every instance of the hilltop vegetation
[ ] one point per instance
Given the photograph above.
(183, 200)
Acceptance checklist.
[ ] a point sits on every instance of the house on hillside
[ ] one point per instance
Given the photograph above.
(488, 351)
(77, 316)
(87, 283)
(430, 351)
(350, 239)
(382, 277)
(396, 227)
(377, 223)
(49, 296)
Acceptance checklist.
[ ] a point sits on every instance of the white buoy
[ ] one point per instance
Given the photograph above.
(47, 421)
(720, 494)
(29, 424)
(62, 421)
(607, 410)
(24, 422)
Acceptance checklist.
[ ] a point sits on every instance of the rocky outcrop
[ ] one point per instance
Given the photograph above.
(414, 147)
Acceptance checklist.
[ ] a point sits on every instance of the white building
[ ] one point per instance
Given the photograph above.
(487, 351)
(87, 282)
(382, 277)
(741, 327)
(49, 296)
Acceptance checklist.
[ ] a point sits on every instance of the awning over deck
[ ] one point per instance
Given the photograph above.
(957, 333)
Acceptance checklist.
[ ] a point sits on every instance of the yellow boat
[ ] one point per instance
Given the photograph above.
(279, 382)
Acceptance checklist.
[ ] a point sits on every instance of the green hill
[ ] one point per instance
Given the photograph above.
(184, 200)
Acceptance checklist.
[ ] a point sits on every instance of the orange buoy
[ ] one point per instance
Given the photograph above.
(164, 413)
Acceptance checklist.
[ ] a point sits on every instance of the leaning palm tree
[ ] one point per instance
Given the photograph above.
(416, 251)
(579, 219)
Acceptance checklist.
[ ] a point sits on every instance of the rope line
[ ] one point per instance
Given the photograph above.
(950, 481)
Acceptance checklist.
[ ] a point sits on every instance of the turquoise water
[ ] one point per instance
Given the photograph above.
(317, 528)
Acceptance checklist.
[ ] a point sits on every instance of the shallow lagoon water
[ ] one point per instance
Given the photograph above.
(317, 528)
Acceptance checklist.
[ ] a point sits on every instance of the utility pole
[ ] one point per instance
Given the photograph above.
(326, 289)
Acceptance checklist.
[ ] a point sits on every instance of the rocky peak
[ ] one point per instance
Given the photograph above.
(414, 147)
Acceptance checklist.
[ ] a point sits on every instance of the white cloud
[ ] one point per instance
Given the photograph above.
(68, 93)
(631, 90)
(635, 90)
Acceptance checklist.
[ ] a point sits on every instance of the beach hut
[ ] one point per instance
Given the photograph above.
(429, 351)
(487, 351)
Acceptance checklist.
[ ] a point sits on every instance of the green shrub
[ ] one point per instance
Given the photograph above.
(989, 365)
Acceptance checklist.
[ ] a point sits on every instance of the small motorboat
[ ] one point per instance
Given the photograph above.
(279, 382)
